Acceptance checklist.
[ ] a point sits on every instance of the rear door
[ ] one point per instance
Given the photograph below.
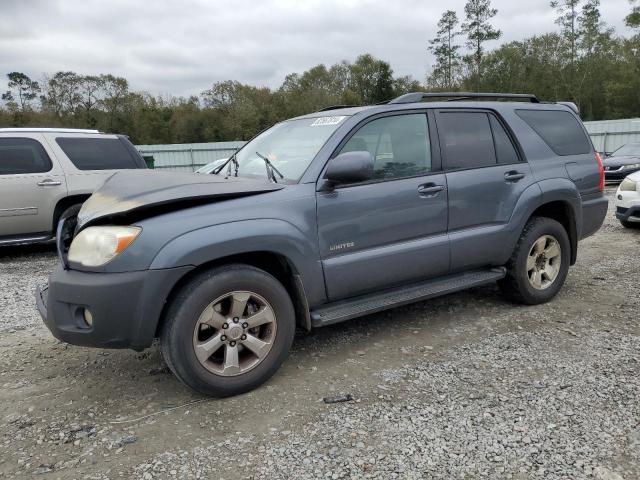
(89, 159)
(31, 183)
(391, 230)
(486, 174)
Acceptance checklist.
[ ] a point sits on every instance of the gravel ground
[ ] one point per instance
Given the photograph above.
(464, 386)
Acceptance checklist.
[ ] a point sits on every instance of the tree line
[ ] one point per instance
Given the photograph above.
(584, 61)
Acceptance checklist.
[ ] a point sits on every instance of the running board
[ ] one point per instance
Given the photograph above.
(376, 302)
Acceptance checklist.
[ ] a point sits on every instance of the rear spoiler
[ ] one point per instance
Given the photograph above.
(571, 105)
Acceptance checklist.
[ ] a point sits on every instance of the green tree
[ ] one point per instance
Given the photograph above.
(371, 79)
(478, 13)
(633, 19)
(61, 96)
(22, 91)
(446, 52)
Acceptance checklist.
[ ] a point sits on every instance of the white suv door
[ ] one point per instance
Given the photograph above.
(31, 183)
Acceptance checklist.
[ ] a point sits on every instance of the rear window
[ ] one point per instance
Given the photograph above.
(97, 153)
(560, 130)
(22, 155)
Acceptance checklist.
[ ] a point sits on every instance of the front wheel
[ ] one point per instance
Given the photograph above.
(228, 330)
(539, 264)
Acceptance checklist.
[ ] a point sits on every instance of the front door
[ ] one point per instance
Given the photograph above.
(391, 230)
(30, 186)
(486, 175)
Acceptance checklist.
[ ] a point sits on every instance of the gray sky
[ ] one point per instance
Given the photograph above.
(182, 47)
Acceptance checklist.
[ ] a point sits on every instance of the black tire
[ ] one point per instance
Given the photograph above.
(516, 285)
(176, 338)
(626, 224)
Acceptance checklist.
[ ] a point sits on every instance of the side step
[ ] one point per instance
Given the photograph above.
(376, 302)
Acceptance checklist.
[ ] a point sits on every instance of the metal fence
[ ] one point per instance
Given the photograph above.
(189, 156)
(609, 135)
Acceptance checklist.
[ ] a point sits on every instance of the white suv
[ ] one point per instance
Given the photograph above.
(46, 172)
(628, 201)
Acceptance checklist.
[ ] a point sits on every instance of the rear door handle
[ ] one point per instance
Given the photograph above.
(429, 189)
(513, 176)
(47, 182)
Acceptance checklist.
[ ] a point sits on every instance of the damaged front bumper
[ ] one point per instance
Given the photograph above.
(125, 308)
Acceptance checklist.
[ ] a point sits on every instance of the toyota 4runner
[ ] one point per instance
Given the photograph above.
(323, 218)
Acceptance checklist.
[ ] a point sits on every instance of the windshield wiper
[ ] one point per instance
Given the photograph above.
(231, 160)
(271, 169)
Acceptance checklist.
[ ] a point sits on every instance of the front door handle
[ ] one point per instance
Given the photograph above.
(47, 182)
(429, 189)
(513, 176)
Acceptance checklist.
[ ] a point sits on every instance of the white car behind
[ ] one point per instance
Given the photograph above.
(628, 201)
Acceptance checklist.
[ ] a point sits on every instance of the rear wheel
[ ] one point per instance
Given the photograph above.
(539, 264)
(228, 330)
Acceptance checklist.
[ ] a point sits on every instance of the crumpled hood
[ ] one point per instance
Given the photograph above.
(128, 193)
(621, 160)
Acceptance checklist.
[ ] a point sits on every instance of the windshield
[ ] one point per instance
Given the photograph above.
(628, 149)
(290, 146)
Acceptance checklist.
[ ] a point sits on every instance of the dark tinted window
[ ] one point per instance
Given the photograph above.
(22, 155)
(560, 130)
(399, 145)
(96, 153)
(505, 151)
(466, 139)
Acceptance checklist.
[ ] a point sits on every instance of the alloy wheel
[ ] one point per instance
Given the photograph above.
(234, 333)
(543, 262)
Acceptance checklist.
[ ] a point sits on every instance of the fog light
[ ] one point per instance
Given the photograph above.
(88, 317)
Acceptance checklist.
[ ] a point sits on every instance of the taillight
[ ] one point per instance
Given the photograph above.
(601, 171)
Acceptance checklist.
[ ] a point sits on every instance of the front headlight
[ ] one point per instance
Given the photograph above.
(628, 185)
(633, 165)
(96, 246)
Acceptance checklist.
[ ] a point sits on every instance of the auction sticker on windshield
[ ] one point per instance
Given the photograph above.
(323, 121)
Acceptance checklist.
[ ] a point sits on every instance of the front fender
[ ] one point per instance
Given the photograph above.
(260, 235)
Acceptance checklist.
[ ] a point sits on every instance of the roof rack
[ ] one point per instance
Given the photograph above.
(334, 107)
(458, 96)
(57, 130)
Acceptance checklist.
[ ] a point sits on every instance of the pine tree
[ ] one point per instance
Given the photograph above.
(478, 31)
(446, 51)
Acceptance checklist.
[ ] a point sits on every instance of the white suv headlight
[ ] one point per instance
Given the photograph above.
(628, 185)
(96, 246)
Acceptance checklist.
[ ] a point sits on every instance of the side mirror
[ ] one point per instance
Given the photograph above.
(349, 167)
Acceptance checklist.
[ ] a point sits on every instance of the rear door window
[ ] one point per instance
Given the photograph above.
(23, 155)
(466, 140)
(505, 151)
(97, 153)
(560, 130)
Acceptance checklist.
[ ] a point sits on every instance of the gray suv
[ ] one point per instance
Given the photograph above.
(46, 173)
(323, 218)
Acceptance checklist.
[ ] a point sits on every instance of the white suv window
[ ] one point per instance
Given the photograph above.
(97, 153)
(23, 155)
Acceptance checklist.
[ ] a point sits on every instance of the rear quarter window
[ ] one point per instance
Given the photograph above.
(97, 153)
(23, 155)
(560, 130)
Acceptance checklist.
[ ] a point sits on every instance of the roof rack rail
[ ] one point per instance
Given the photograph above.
(334, 107)
(458, 96)
(44, 130)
